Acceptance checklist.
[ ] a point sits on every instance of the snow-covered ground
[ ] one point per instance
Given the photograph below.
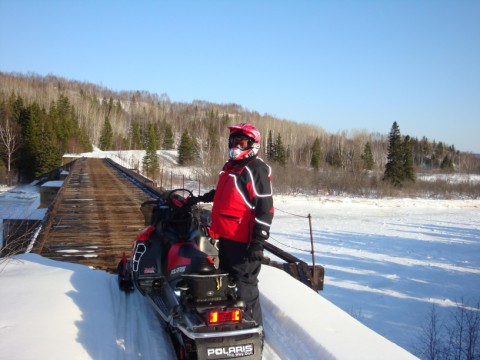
(386, 262)
(54, 310)
(450, 178)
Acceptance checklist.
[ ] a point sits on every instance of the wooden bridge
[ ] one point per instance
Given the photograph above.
(94, 217)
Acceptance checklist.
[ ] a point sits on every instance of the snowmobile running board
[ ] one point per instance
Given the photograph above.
(311, 276)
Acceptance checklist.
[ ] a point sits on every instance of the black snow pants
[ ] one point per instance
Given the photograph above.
(232, 259)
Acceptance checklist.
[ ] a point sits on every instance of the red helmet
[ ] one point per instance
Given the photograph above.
(244, 141)
(247, 130)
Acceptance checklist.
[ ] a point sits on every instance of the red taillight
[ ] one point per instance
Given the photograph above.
(218, 317)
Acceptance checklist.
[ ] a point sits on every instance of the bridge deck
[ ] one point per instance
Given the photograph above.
(95, 217)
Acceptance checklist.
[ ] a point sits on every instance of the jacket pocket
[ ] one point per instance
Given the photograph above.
(231, 227)
(232, 218)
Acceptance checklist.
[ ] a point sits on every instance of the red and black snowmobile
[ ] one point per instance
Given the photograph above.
(174, 262)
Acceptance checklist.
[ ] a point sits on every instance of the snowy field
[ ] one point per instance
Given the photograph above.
(386, 262)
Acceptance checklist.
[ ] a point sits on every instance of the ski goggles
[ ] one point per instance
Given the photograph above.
(240, 142)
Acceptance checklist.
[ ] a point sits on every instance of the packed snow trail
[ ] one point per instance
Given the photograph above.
(69, 311)
(139, 331)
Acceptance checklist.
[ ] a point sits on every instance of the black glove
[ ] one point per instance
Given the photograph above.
(207, 197)
(192, 200)
(255, 251)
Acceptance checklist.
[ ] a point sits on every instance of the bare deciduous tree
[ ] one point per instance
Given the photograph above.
(458, 338)
(9, 141)
(430, 337)
(464, 333)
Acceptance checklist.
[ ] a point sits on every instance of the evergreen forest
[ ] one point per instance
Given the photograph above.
(44, 117)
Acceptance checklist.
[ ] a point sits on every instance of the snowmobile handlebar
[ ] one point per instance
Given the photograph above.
(180, 198)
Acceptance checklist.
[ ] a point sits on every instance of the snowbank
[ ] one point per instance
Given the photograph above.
(57, 310)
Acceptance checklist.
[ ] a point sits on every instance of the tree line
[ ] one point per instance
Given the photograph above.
(34, 139)
(49, 116)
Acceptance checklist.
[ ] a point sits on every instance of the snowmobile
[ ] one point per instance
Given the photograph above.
(174, 263)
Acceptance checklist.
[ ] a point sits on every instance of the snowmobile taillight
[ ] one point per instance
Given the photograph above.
(218, 317)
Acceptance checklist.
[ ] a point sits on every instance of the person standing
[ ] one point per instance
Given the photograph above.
(242, 213)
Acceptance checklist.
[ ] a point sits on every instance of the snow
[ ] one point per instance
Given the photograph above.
(386, 261)
(55, 310)
(21, 202)
(132, 159)
(53, 183)
(451, 178)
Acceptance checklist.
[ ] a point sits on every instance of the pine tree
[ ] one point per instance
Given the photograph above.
(447, 164)
(212, 154)
(49, 155)
(212, 138)
(167, 137)
(408, 171)
(367, 157)
(394, 169)
(32, 140)
(150, 160)
(316, 155)
(280, 154)
(186, 149)
(18, 109)
(270, 147)
(106, 139)
(84, 140)
(135, 136)
(63, 118)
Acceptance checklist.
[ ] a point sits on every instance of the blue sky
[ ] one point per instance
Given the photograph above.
(341, 65)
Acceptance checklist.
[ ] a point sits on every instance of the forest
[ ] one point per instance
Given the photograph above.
(44, 117)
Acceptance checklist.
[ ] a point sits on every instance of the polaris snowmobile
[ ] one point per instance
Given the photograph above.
(174, 263)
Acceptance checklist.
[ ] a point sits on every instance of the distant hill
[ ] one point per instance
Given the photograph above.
(303, 155)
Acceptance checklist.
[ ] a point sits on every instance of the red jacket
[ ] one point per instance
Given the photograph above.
(243, 203)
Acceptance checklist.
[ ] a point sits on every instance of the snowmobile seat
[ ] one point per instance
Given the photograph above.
(186, 257)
